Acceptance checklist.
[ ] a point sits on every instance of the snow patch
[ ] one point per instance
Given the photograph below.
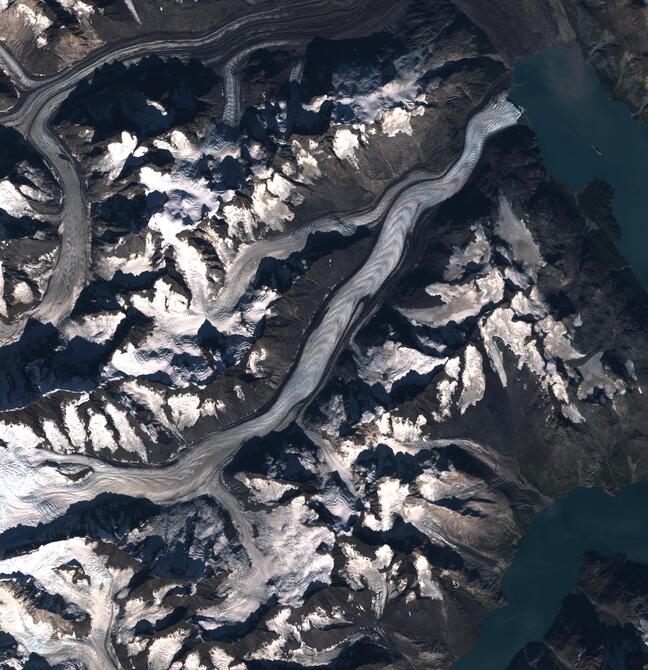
(363, 572)
(399, 120)
(345, 143)
(391, 496)
(163, 649)
(393, 361)
(476, 253)
(514, 231)
(427, 586)
(118, 154)
(184, 409)
(472, 379)
(595, 376)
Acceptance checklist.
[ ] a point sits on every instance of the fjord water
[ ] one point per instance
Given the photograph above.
(546, 566)
(584, 135)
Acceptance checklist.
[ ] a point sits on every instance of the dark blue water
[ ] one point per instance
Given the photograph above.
(546, 566)
(583, 135)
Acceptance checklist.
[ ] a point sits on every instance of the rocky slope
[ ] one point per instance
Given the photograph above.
(602, 624)
(613, 36)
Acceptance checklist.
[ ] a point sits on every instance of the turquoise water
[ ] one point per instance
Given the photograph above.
(583, 135)
(546, 566)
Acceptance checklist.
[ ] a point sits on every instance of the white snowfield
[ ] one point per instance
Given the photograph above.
(92, 594)
(36, 490)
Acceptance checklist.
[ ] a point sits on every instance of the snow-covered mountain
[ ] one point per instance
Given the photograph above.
(297, 333)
